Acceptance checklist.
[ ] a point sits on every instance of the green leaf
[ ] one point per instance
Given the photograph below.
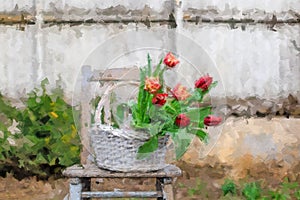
(31, 103)
(173, 107)
(5, 108)
(158, 69)
(202, 135)
(40, 159)
(52, 161)
(155, 128)
(142, 101)
(161, 76)
(120, 112)
(157, 114)
(297, 194)
(198, 114)
(181, 140)
(153, 110)
(150, 146)
(197, 95)
(44, 83)
(214, 84)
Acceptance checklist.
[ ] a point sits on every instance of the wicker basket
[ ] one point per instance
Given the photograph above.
(117, 149)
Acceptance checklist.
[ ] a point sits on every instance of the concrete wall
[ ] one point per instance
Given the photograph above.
(253, 46)
(264, 53)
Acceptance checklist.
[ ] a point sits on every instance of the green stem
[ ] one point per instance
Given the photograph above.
(168, 105)
(149, 65)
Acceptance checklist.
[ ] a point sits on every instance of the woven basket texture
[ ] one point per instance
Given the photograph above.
(116, 149)
(118, 153)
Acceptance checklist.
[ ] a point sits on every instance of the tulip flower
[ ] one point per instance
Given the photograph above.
(180, 92)
(152, 84)
(160, 99)
(182, 120)
(170, 60)
(212, 120)
(204, 82)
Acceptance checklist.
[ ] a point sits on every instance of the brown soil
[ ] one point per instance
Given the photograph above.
(31, 189)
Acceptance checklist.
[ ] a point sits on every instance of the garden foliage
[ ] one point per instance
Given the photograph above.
(40, 139)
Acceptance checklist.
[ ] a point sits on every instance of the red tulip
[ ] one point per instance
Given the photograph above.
(180, 92)
(152, 84)
(159, 99)
(170, 60)
(204, 82)
(182, 120)
(212, 120)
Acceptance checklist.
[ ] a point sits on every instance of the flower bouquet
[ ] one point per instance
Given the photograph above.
(161, 110)
(156, 114)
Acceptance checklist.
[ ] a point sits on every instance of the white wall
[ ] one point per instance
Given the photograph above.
(251, 60)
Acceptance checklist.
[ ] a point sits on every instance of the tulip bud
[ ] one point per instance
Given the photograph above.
(212, 120)
(159, 99)
(182, 120)
(170, 60)
(204, 82)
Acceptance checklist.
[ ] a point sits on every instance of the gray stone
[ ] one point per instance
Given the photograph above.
(265, 107)
(295, 110)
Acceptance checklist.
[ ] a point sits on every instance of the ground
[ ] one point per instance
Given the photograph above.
(196, 183)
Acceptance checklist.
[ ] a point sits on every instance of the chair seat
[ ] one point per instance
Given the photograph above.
(93, 171)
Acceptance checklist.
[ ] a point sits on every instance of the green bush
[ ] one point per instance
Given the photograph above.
(252, 191)
(40, 139)
(229, 187)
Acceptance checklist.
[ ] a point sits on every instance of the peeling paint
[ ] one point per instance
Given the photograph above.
(111, 13)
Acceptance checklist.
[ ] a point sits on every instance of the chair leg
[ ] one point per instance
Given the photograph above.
(165, 186)
(75, 189)
(159, 186)
(86, 185)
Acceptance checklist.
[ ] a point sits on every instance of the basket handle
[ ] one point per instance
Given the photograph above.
(104, 102)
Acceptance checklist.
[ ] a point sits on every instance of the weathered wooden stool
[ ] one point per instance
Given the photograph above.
(80, 179)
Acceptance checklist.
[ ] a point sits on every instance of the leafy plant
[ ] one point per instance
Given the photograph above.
(252, 191)
(297, 194)
(48, 140)
(229, 187)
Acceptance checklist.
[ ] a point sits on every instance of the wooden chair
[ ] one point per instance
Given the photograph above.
(80, 176)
